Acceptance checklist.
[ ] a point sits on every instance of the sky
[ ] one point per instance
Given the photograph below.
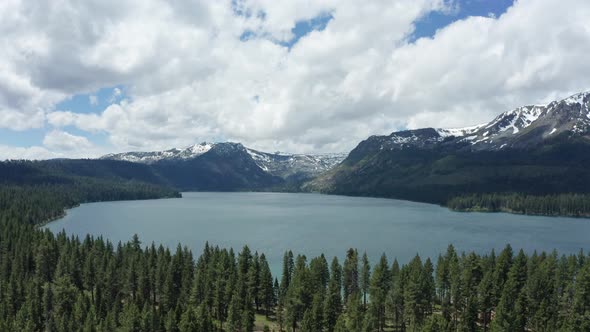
(81, 79)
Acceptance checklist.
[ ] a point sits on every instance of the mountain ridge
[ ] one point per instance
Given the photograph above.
(569, 114)
(284, 165)
(536, 149)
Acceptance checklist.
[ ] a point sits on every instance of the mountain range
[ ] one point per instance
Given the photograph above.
(523, 127)
(230, 166)
(536, 149)
(532, 150)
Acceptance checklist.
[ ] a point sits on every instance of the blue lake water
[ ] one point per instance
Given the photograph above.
(312, 224)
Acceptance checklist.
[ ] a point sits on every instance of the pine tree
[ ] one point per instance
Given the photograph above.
(204, 322)
(428, 286)
(188, 321)
(579, 319)
(413, 295)
(248, 317)
(486, 298)
(340, 325)
(319, 274)
(266, 290)
(298, 297)
(333, 301)
(234, 318)
(355, 313)
(350, 274)
(130, 317)
(171, 322)
(288, 266)
(471, 278)
(317, 311)
(308, 324)
(365, 278)
(380, 283)
(254, 281)
(510, 314)
(395, 296)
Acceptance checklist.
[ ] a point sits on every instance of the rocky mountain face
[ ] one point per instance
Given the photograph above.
(295, 167)
(524, 127)
(224, 167)
(532, 149)
(156, 156)
(230, 166)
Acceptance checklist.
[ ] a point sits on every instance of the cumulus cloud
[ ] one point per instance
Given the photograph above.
(62, 141)
(56, 144)
(30, 153)
(116, 94)
(189, 77)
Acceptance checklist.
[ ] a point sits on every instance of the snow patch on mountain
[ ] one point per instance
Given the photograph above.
(295, 165)
(458, 132)
(577, 98)
(278, 164)
(520, 127)
(155, 156)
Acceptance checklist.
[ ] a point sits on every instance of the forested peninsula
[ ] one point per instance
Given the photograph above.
(569, 205)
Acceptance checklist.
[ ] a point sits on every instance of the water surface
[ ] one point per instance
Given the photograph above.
(313, 224)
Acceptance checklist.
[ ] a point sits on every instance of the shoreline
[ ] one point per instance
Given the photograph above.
(466, 210)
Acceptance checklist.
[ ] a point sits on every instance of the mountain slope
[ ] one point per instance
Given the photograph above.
(65, 171)
(224, 167)
(533, 149)
(230, 166)
(295, 167)
(190, 152)
(75, 181)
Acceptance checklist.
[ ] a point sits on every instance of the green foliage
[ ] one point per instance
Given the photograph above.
(573, 205)
(550, 179)
(52, 282)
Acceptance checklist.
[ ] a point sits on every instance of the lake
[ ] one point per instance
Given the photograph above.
(313, 224)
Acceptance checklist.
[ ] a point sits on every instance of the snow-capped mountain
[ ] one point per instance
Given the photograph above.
(295, 165)
(278, 164)
(531, 150)
(155, 156)
(518, 128)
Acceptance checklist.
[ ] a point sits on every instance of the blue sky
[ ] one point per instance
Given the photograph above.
(85, 103)
(188, 71)
(97, 101)
(427, 26)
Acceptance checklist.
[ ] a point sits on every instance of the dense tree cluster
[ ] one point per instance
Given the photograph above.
(35, 204)
(54, 282)
(573, 205)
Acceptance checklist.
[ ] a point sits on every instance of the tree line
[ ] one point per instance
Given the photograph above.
(52, 282)
(573, 205)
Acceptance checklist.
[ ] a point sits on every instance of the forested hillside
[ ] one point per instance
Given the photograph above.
(538, 152)
(53, 282)
(70, 171)
(443, 175)
(229, 169)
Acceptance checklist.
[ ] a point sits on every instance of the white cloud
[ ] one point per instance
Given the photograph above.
(62, 141)
(93, 100)
(189, 78)
(30, 153)
(116, 95)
